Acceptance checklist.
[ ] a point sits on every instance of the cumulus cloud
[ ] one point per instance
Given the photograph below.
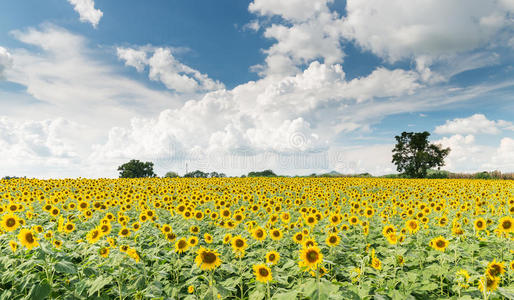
(87, 11)
(294, 10)
(5, 60)
(300, 113)
(398, 29)
(63, 75)
(27, 147)
(477, 123)
(164, 67)
(312, 32)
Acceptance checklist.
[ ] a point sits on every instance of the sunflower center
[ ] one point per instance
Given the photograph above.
(29, 237)
(208, 257)
(239, 243)
(259, 233)
(271, 257)
(312, 256)
(507, 224)
(263, 272)
(440, 243)
(182, 244)
(10, 222)
(333, 239)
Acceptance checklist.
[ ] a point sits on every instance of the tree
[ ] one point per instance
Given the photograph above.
(196, 174)
(414, 155)
(217, 175)
(265, 173)
(171, 174)
(136, 169)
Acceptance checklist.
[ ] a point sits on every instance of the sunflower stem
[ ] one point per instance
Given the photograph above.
(318, 282)
(268, 291)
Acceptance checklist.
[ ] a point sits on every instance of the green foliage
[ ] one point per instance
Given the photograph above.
(265, 173)
(171, 174)
(136, 169)
(438, 174)
(196, 174)
(414, 155)
(482, 175)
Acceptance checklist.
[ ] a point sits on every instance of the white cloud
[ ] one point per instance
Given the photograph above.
(477, 123)
(469, 155)
(312, 32)
(27, 147)
(398, 29)
(62, 74)
(5, 60)
(164, 67)
(87, 11)
(504, 156)
(294, 10)
(300, 113)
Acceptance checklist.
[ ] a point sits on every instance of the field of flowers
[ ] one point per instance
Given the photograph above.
(260, 238)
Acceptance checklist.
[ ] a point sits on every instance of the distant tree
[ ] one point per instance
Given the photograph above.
(414, 155)
(171, 174)
(197, 174)
(265, 173)
(136, 169)
(217, 175)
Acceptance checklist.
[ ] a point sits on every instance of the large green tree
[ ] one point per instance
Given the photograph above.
(136, 169)
(414, 155)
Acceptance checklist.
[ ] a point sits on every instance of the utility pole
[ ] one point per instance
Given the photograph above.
(186, 167)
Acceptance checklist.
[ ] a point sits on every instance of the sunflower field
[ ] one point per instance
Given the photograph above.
(256, 238)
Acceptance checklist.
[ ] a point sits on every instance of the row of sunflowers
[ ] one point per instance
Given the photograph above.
(256, 238)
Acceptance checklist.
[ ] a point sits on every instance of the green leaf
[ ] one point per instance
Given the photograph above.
(285, 296)
(65, 267)
(40, 291)
(98, 284)
(507, 293)
(256, 294)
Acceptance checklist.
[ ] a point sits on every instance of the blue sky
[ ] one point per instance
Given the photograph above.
(299, 86)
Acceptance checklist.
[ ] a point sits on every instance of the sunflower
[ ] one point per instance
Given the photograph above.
(495, 268)
(272, 257)
(259, 234)
(439, 243)
(207, 259)
(190, 289)
(13, 245)
(104, 252)
(375, 262)
(412, 225)
(298, 238)
(511, 265)
(353, 220)
(27, 238)
(181, 245)
(392, 238)
(208, 238)
(93, 236)
(310, 257)
(333, 240)
(262, 273)
(388, 230)
(124, 232)
(10, 222)
(480, 224)
(505, 224)
(227, 238)
(239, 245)
(276, 234)
(57, 244)
(488, 283)
(192, 241)
(69, 227)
